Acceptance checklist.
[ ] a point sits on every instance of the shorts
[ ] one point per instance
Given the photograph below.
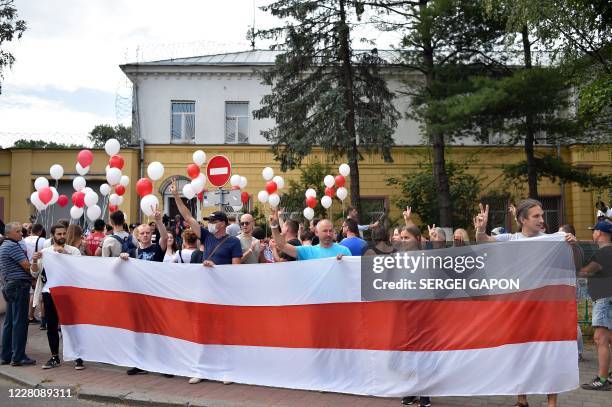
(602, 313)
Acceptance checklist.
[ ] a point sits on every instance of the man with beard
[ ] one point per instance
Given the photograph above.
(58, 245)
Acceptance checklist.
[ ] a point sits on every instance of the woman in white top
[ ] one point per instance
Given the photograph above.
(190, 241)
(171, 248)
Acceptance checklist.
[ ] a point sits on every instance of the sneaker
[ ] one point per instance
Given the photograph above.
(135, 370)
(24, 362)
(194, 380)
(596, 384)
(33, 320)
(42, 327)
(79, 364)
(51, 363)
(409, 400)
(424, 402)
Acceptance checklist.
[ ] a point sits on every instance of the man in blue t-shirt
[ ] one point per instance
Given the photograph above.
(355, 244)
(219, 247)
(326, 247)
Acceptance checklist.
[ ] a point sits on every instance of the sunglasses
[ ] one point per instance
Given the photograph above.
(245, 223)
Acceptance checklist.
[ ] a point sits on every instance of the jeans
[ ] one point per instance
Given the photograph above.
(52, 324)
(15, 327)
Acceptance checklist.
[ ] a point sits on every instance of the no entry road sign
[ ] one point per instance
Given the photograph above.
(218, 170)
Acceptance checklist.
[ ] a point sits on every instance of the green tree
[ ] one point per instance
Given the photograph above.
(419, 191)
(23, 143)
(324, 92)
(311, 176)
(445, 41)
(103, 132)
(10, 28)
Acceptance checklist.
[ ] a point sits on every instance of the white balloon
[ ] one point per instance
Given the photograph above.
(329, 181)
(40, 183)
(112, 146)
(199, 157)
(36, 201)
(262, 196)
(274, 200)
(105, 189)
(80, 170)
(197, 184)
(91, 198)
(113, 176)
(125, 180)
(93, 212)
(56, 171)
(106, 168)
(236, 208)
(243, 182)
(326, 202)
(113, 199)
(86, 190)
(188, 191)
(344, 170)
(280, 182)
(308, 213)
(148, 204)
(55, 196)
(342, 193)
(267, 173)
(311, 193)
(76, 212)
(120, 200)
(79, 183)
(155, 170)
(235, 180)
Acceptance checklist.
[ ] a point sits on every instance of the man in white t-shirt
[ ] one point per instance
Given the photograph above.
(58, 233)
(530, 217)
(34, 243)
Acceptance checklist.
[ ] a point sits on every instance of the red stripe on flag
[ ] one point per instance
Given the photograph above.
(430, 325)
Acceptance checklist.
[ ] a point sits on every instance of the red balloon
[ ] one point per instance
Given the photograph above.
(120, 190)
(78, 199)
(116, 161)
(330, 191)
(340, 180)
(235, 187)
(201, 196)
(144, 187)
(271, 187)
(45, 195)
(85, 158)
(112, 208)
(62, 200)
(311, 202)
(193, 171)
(244, 197)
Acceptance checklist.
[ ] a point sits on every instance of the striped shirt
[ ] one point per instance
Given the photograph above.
(11, 254)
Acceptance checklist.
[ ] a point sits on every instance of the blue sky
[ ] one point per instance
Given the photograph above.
(66, 76)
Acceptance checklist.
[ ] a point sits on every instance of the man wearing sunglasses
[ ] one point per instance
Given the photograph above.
(249, 244)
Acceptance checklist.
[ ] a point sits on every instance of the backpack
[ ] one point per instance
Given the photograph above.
(127, 246)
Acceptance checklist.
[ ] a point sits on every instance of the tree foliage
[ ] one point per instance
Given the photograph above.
(324, 92)
(10, 28)
(23, 143)
(418, 190)
(311, 176)
(103, 132)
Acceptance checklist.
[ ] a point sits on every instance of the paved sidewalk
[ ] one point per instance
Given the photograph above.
(101, 382)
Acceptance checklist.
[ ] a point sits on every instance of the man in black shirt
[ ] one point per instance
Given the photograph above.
(289, 230)
(599, 271)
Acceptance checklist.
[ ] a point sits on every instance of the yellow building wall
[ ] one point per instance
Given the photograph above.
(19, 168)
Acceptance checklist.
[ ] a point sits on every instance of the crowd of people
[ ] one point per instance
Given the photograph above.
(223, 241)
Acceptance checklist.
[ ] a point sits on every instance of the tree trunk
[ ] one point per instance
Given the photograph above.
(349, 123)
(436, 138)
(532, 171)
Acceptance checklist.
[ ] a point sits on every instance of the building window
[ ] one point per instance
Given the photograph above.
(236, 122)
(372, 209)
(183, 122)
(552, 212)
(498, 212)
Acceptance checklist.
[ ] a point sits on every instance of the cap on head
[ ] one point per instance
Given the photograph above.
(603, 226)
(217, 216)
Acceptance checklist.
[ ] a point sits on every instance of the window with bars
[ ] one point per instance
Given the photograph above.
(552, 212)
(183, 122)
(236, 122)
(498, 212)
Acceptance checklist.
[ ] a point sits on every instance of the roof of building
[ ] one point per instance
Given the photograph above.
(246, 58)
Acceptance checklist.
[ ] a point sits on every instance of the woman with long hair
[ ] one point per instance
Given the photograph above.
(171, 248)
(74, 238)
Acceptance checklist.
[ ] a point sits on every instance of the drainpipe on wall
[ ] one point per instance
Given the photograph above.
(136, 127)
(561, 189)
